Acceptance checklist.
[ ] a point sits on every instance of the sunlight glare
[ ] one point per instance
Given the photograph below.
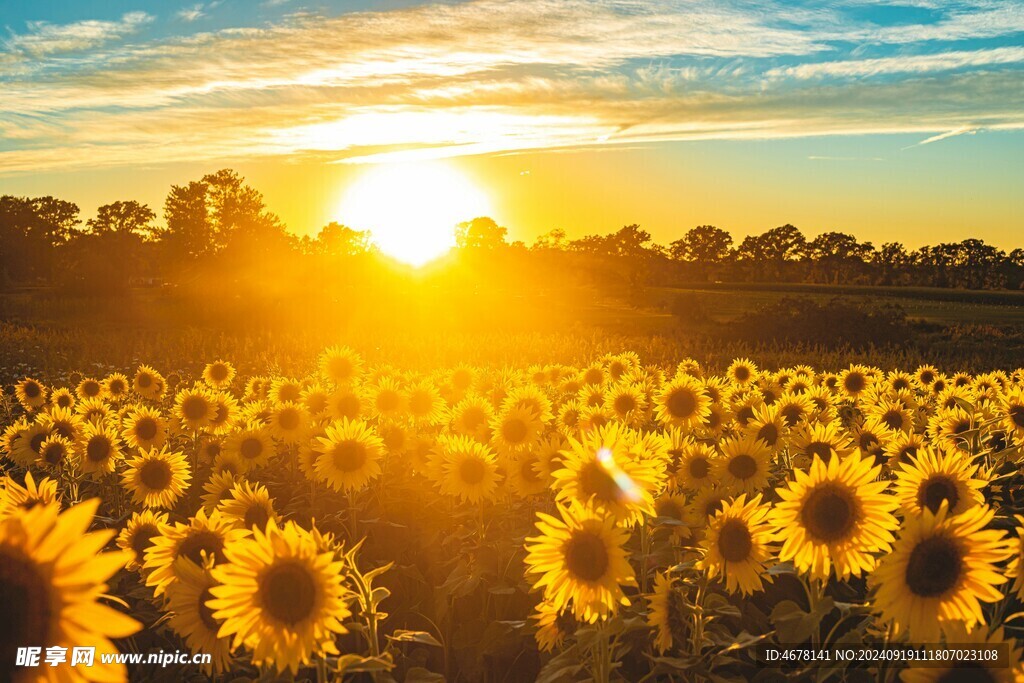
(411, 209)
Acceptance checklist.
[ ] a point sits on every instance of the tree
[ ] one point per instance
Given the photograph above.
(336, 239)
(123, 218)
(480, 233)
(836, 254)
(784, 243)
(892, 261)
(189, 230)
(553, 239)
(703, 244)
(31, 232)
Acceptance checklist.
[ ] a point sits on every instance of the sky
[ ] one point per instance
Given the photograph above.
(895, 120)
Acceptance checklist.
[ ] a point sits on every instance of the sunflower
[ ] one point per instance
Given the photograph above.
(938, 671)
(116, 386)
(940, 571)
(683, 402)
(569, 418)
(738, 545)
(280, 597)
(15, 498)
(742, 372)
(515, 429)
(926, 375)
(218, 374)
(144, 428)
(744, 403)
(62, 422)
(895, 415)
(51, 576)
(248, 505)
(1011, 410)
(31, 394)
(835, 515)
(948, 426)
(854, 381)
(525, 474)
(387, 400)
(743, 465)
(871, 437)
(348, 402)
(340, 365)
(250, 446)
(192, 619)
(627, 402)
(57, 452)
(1016, 567)
(931, 478)
(218, 488)
(424, 403)
(89, 388)
(195, 408)
(138, 534)
(549, 456)
(696, 465)
(288, 422)
(672, 507)
(902, 447)
(62, 398)
(468, 469)
(92, 409)
(157, 478)
(472, 416)
(824, 440)
(554, 625)
(316, 400)
(531, 398)
(598, 470)
(667, 613)
(100, 449)
(768, 426)
(225, 411)
(349, 455)
(200, 540)
(580, 560)
(148, 383)
(794, 408)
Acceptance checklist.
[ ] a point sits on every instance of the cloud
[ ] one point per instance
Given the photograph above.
(190, 14)
(45, 39)
(494, 77)
(961, 130)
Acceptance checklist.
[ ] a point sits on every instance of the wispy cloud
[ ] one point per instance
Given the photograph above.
(493, 76)
(190, 14)
(961, 130)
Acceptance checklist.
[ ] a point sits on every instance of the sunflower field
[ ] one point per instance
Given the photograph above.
(604, 521)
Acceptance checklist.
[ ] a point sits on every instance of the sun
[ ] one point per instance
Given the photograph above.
(411, 209)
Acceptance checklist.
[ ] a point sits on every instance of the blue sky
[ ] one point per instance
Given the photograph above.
(853, 90)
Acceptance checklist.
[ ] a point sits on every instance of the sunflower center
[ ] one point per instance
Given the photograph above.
(144, 381)
(893, 419)
(742, 466)
(199, 541)
(854, 382)
(472, 471)
(668, 508)
(256, 514)
(473, 418)
(348, 406)
(741, 373)
(91, 388)
(586, 556)
(514, 430)
(54, 453)
(145, 428)
(699, 468)
(117, 387)
(821, 449)
(420, 403)
(934, 567)
(960, 426)
(681, 403)
(935, 490)
(155, 475)
(205, 613)
(769, 433)
(745, 415)
(387, 401)
(288, 419)
(828, 514)
(36, 442)
(595, 481)
(194, 408)
(32, 390)
(679, 619)
(25, 596)
(1017, 415)
(909, 451)
(792, 414)
(868, 441)
(142, 538)
(349, 456)
(251, 448)
(734, 541)
(98, 449)
(219, 372)
(340, 368)
(288, 592)
(624, 403)
(526, 470)
(927, 377)
(593, 376)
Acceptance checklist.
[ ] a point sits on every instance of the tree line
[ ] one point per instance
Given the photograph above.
(220, 223)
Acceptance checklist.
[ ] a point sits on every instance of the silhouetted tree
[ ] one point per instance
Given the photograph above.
(703, 244)
(125, 218)
(480, 233)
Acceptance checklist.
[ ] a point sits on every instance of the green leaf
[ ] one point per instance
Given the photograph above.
(421, 637)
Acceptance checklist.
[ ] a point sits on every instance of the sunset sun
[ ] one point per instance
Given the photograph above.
(411, 209)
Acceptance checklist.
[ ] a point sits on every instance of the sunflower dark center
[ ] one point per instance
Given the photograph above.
(24, 593)
(961, 426)
(194, 408)
(668, 508)
(142, 538)
(909, 451)
(712, 507)
(251, 448)
(593, 376)
(420, 403)
(256, 514)
(927, 377)
(742, 466)
(347, 405)
(36, 442)
(514, 430)
(289, 392)
(32, 390)
(792, 414)
(117, 387)
(745, 415)
(821, 449)
(199, 541)
(91, 388)
(741, 373)
(699, 468)
(145, 428)
(341, 368)
(679, 619)
(473, 418)
(829, 513)
(288, 419)
(868, 441)
(144, 381)
(387, 401)
(893, 419)
(935, 490)
(854, 382)
(526, 470)
(205, 613)
(155, 474)
(472, 471)
(967, 672)
(595, 481)
(98, 449)
(586, 556)
(681, 403)
(349, 456)
(288, 593)
(900, 383)
(624, 403)
(219, 372)
(735, 541)
(55, 453)
(769, 433)
(1017, 415)
(935, 566)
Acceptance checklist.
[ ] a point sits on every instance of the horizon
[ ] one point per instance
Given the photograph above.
(898, 122)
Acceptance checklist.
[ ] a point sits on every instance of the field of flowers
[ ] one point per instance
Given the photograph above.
(603, 521)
